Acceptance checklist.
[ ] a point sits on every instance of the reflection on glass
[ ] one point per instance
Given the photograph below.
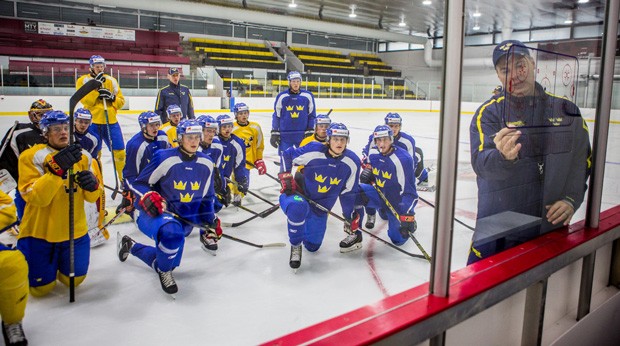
(529, 149)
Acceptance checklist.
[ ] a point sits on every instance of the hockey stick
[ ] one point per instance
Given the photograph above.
(250, 192)
(73, 101)
(415, 240)
(455, 219)
(8, 137)
(262, 214)
(112, 220)
(107, 124)
(260, 246)
(319, 206)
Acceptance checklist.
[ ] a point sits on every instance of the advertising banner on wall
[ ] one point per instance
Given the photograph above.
(85, 31)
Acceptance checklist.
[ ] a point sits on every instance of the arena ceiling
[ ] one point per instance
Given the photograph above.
(419, 18)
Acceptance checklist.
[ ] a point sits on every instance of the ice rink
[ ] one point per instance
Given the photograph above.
(246, 295)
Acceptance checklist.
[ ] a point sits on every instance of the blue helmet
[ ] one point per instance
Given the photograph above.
(393, 118)
(52, 118)
(188, 127)
(322, 119)
(293, 75)
(224, 119)
(337, 130)
(383, 131)
(96, 59)
(207, 122)
(148, 118)
(172, 109)
(240, 107)
(83, 113)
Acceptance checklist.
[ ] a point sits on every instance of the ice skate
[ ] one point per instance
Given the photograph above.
(167, 282)
(14, 334)
(370, 221)
(123, 246)
(295, 260)
(352, 242)
(237, 200)
(209, 244)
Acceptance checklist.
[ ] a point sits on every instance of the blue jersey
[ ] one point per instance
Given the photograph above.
(140, 151)
(403, 140)
(293, 115)
(213, 150)
(395, 178)
(90, 141)
(233, 158)
(325, 177)
(186, 183)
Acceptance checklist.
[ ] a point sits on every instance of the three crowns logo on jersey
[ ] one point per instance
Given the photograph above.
(298, 108)
(322, 179)
(383, 174)
(182, 185)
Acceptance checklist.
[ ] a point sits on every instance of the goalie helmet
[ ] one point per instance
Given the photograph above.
(146, 118)
(383, 131)
(207, 122)
(51, 118)
(38, 107)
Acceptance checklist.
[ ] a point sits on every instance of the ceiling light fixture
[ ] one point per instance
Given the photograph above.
(427, 2)
(476, 26)
(402, 21)
(292, 4)
(476, 14)
(569, 19)
(583, 1)
(352, 14)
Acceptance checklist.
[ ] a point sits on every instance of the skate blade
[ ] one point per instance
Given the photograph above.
(369, 226)
(355, 247)
(211, 252)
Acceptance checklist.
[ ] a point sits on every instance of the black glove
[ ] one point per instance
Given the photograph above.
(243, 186)
(289, 186)
(275, 139)
(153, 203)
(225, 197)
(308, 133)
(64, 159)
(87, 180)
(127, 202)
(367, 177)
(99, 78)
(408, 225)
(218, 183)
(106, 94)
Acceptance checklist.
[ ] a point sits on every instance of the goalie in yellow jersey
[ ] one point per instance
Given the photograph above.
(252, 135)
(13, 280)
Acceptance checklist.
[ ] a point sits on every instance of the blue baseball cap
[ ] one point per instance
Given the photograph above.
(509, 46)
(173, 70)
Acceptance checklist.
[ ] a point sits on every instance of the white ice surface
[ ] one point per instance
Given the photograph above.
(246, 295)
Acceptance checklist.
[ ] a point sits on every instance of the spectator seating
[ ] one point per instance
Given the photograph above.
(325, 61)
(376, 67)
(236, 54)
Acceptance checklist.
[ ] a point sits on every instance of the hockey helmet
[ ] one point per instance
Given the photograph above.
(322, 119)
(240, 107)
(52, 118)
(293, 75)
(38, 107)
(96, 59)
(224, 119)
(393, 118)
(337, 130)
(83, 113)
(383, 131)
(148, 118)
(173, 109)
(207, 122)
(188, 127)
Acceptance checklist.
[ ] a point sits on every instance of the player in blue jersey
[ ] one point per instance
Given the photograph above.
(293, 116)
(330, 171)
(140, 150)
(390, 171)
(212, 146)
(401, 139)
(178, 180)
(233, 155)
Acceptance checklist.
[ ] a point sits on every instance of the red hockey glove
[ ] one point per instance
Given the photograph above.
(64, 159)
(352, 224)
(153, 203)
(215, 229)
(289, 186)
(260, 166)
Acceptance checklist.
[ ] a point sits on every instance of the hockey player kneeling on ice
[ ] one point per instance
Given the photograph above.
(330, 171)
(212, 146)
(140, 150)
(43, 183)
(178, 180)
(233, 156)
(390, 171)
(13, 280)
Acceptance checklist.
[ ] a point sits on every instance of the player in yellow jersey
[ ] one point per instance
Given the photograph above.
(13, 280)
(252, 135)
(43, 183)
(170, 127)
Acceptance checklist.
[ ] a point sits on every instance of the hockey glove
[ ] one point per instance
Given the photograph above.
(215, 229)
(367, 177)
(64, 159)
(260, 166)
(107, 95)
(218, 183)
(289, 186)
(275, 139)
(100, 78)
(243, 185)
(352, 224)
(225, 196)
(153, 203)
(127, 202)
(408, 225)
(308, 133)
(87, 180)
(365, 162)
